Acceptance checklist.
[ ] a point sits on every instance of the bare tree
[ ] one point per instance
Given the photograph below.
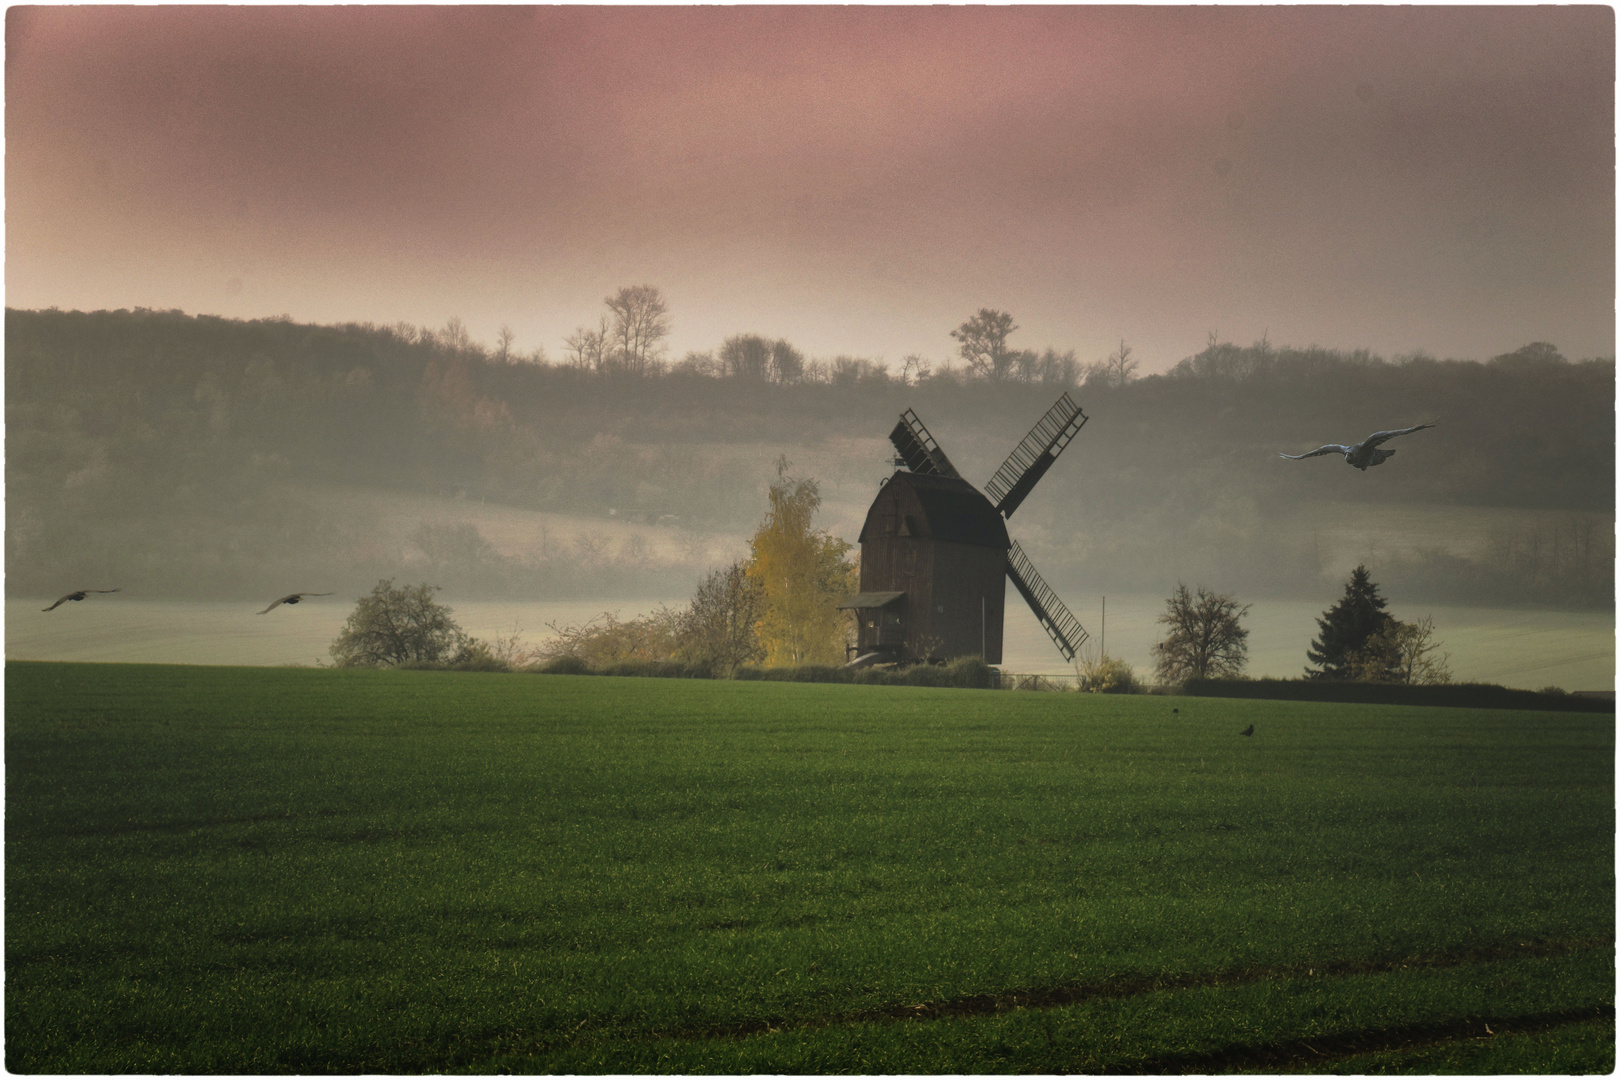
(745, 356)
(504, 337)
(720, 627)
(847, 370)
(587, 348)
(1205, 639)
(606, 640)
(640, 325)
(1403, 653)
(787, 363)
(983, 343)
(698, 363)
(1115, 371)
(1121, 368)
(914, 369)
(591, 547)
(454, 336)
(1058, 369)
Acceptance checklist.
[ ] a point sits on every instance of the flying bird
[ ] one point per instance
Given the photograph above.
(291, 598)
(1248, 730)
(1365, 453)
(80, 595)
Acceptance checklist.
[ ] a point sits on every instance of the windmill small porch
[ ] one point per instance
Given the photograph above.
(936, 556)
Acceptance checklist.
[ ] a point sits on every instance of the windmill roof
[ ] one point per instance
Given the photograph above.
(952, 509)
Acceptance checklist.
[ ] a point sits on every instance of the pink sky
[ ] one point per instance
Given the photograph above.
(858, 180)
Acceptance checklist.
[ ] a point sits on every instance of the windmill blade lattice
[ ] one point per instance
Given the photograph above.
(1017, 476)
(1031, 458)
(918, 449)
(1055, 618)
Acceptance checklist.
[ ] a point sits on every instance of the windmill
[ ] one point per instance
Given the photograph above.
(935, 554)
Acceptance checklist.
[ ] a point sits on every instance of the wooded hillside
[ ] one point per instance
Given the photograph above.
(175, 453)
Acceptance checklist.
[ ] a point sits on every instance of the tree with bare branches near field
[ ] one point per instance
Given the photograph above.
(1206, 639)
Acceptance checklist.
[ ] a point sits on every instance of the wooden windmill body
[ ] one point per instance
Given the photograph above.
(935, 554)
(933, 570)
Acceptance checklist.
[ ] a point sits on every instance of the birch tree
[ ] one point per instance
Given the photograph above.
(802, 572)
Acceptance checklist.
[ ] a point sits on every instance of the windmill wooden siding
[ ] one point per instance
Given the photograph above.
(938, 541)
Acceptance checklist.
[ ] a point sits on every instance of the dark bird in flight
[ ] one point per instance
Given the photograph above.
(1248, 730)
(1365, 453)
(80, 595)
(291, 598)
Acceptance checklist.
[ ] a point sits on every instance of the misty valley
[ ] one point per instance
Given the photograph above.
(205, 461)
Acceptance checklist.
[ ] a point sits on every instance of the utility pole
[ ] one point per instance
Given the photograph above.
(1104, 646)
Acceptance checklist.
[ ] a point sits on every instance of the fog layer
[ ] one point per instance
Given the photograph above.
(201, 457)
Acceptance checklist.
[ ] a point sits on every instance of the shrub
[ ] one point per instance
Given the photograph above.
(1108, 675)
(658, 669)
(477, 655)
(564, 665)
(922, 675)
(606, 640)
(969, 673)
(803, 673)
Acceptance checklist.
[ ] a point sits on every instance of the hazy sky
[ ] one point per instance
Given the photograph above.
(857, 180)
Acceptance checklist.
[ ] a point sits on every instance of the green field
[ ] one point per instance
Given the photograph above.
(276, 870)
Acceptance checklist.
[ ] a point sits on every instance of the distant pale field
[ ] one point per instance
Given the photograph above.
(1341, 534)
(1528, 649)
(1344, 534)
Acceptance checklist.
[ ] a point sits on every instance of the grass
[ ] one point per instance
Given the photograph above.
(277, 870)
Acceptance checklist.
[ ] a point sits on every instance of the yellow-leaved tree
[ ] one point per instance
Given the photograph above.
(802, 573)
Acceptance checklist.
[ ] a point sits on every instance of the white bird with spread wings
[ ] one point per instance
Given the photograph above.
(1364, 454)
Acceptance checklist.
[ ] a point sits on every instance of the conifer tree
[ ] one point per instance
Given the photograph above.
(1345, 629)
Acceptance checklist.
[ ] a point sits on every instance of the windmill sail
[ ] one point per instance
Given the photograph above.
(918, 449)
(1031, 458)
(1056, 619)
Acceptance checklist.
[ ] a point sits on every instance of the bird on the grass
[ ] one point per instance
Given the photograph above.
(1248, 730)
(1364, 454)
(80, 595)
(291, 598)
